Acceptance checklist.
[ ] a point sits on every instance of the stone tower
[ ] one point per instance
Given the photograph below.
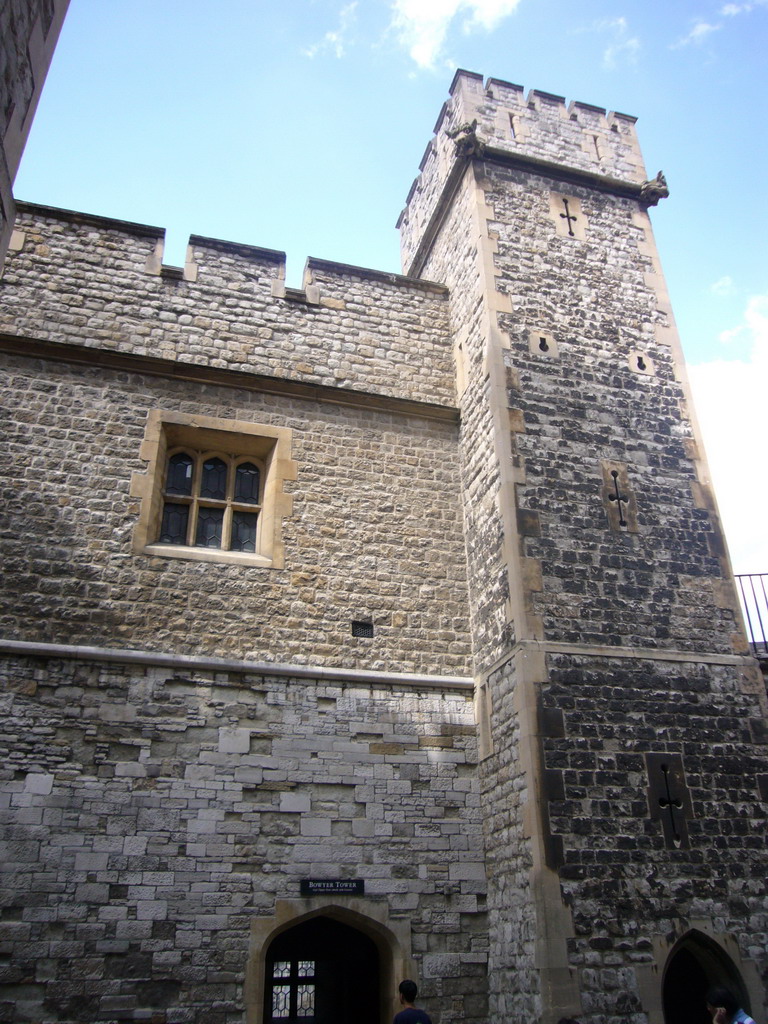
(622, 721)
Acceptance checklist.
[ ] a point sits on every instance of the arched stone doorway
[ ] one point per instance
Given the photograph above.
(321, 971)
(332, 956)
(695, 964)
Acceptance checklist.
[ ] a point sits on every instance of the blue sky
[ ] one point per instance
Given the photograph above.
(300, 125)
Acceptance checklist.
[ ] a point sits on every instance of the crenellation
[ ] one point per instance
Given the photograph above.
(507, 91)
(590, 142)
(228, 308)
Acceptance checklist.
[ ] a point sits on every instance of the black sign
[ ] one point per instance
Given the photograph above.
(332, 886)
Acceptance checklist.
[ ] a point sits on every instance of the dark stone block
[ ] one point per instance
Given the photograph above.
(528, 523)
(552, 723)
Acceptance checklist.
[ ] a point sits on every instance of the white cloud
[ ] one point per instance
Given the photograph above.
(336, 40)
(697, 35)
(703, 29)
(731, 10)
(422, 26)
(624, 48)
(722, 287)
(628, 49)
(729, 396)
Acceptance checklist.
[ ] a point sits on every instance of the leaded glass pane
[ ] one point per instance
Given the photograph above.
(281, 969)
(173, 529)
(306, 968)
(281, 1001)
(209, 526)
(247, 479)
(214, 482)
(243, 531)
(179, 477)
(305, 1000)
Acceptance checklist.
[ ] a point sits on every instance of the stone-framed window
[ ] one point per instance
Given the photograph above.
(211, 500)
(213, 490)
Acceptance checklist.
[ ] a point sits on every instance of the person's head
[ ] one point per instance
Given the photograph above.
(720, 997)
(408, 991)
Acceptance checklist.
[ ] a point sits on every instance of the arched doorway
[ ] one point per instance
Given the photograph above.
(321, 971)
(696, 964)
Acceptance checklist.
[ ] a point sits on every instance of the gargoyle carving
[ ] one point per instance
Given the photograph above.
(465, 139)
(652, 191)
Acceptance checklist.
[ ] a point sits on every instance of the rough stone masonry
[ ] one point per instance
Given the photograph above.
(386, 621)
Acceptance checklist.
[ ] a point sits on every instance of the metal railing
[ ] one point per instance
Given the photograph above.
(753, 592)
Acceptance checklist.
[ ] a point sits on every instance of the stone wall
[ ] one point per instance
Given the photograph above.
(151, 815)
(454, 260)
(29, 30)
(626, 884)
(513, 978)
(98, 283)
(375, 532)
(589, 406)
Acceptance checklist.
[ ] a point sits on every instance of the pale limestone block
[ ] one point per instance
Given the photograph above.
(130, 769)
(467, 871)
(85, 861)
(294, 803)
(408, 901)
(134, 846)
(92, 892)
(362, 827)
(315, 826)
(113, 912)
(442, 965)
(151, 910)
(114, 712)
(29, 816)
(38, 782)
(134, 929)
(210, 922)
(157, 877)
(233, 740)
(202, 825)
(108, 844)
(386, 886)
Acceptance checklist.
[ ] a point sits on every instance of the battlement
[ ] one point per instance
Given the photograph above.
(82, 280)
(496, 118)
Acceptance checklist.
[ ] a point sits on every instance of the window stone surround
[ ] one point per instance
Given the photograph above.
(269, 444)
